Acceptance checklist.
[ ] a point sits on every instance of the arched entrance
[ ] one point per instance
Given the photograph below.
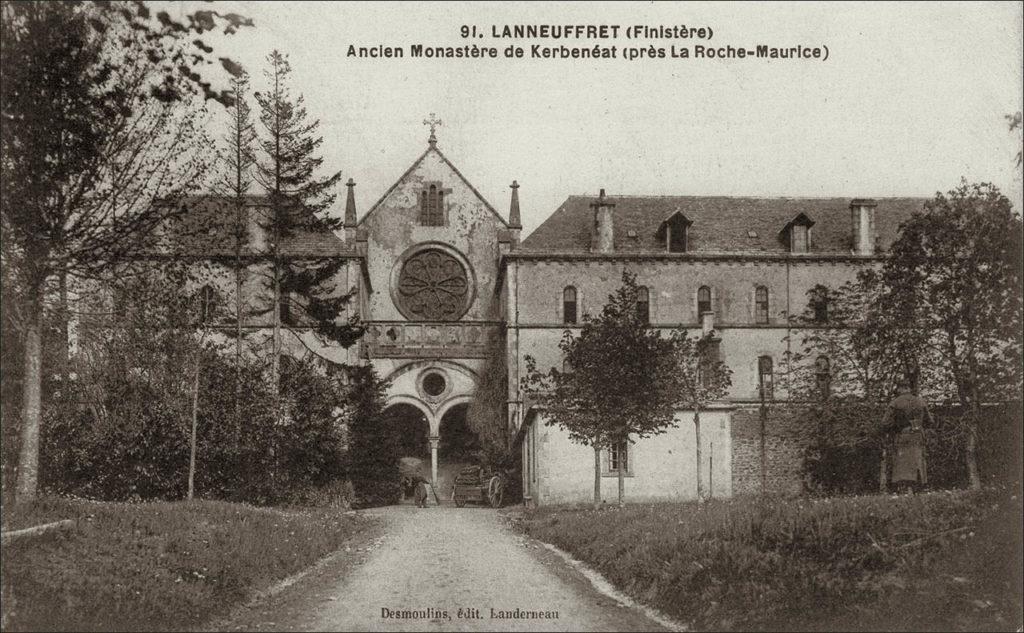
(412, 432)
(458, 446)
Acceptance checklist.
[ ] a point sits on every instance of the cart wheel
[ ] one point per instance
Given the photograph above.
(495, 491)
(459, 502)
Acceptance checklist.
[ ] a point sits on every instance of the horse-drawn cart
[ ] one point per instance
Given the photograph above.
(472, 484)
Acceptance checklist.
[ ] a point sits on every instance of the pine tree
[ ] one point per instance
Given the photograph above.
(298, 201)
(238, 158)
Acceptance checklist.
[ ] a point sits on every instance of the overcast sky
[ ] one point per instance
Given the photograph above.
(912, 97)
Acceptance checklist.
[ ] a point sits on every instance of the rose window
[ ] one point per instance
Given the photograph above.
(433, 286)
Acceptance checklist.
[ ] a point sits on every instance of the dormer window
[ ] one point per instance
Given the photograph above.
(432, 205)
(673, 231)
(797, 234)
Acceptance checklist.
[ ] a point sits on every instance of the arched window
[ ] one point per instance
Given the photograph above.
(569, 305)
(761, 304)
(765, 386)
(703, 300)
(432, 206)
(643, 304)
(823, 376)
(566, 366)
(207, 304)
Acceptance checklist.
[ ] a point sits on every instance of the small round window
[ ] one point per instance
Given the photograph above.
(433, 384)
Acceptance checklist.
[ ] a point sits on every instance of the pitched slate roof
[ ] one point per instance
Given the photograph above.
(720, 224)
(206, 227)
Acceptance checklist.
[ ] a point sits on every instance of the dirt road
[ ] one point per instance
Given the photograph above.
(446, 569)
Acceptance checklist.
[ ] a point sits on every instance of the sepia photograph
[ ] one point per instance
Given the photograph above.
(511, 316)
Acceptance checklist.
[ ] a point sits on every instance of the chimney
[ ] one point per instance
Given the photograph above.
(602, 240)
(862, 218)
(515, 224)
(707, 322)
(350, 211)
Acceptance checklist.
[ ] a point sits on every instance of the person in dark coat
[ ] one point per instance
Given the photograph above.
(904, 424)
(421, 491)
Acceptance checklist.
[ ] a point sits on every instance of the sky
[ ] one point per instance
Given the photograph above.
(912, 98)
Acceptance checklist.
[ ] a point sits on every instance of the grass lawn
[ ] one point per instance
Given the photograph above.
(936, 561)
(155, 566)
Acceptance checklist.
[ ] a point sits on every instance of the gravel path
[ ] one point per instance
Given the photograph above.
(446, 569)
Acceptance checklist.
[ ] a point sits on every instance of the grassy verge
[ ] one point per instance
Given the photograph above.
(155, 566)
(944, 560)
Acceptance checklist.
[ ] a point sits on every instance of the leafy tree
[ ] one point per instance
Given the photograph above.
(372, 440)
(94, 134)
(299, 200)
(620, 380)
(701, 378)
(952, 287)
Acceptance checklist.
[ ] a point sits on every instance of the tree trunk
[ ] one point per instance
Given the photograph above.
(195, 418)
(971, 456)
(622, 474)
(239, 234)
(883, 474)
(597, 475)
(31, 403)
(65, 345)
(700, 460)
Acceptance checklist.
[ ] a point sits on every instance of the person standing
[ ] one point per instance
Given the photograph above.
(903, 427)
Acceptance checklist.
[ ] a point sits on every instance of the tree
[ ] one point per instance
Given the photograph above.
(619, 381)
(238, 158)
(93, 136)
(702, 378)
(952, 285)
(373, 442)
(299, 200)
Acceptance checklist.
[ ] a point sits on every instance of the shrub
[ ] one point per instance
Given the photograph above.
(133, 443)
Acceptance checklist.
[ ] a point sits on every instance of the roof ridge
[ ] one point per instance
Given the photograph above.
(744, 197)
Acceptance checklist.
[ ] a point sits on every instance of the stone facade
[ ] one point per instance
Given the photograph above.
(442, 279)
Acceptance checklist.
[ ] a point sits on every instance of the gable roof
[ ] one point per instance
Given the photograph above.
(207, 229)
(720, 224)
(433, 148)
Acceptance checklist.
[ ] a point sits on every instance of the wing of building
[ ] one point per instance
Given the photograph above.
(445, 287)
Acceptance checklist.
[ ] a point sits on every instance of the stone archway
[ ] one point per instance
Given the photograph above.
(412, 431)
(458, 445)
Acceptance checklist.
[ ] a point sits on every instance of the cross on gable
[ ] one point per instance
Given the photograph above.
(433, 122)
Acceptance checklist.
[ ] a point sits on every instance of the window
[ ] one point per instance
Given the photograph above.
(766, 390)
(432, 206)
(703, 300)
(820, 307)
(207, 304)
(284, 309)
(798, 236)
(710, 356)
(566, 366)
(761, 304)
(643, 304)
(823, 376)
(676, 238)
(618, 457)
(569, 305)
(673, 230)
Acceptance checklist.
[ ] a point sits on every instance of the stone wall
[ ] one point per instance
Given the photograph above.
(785, 441)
